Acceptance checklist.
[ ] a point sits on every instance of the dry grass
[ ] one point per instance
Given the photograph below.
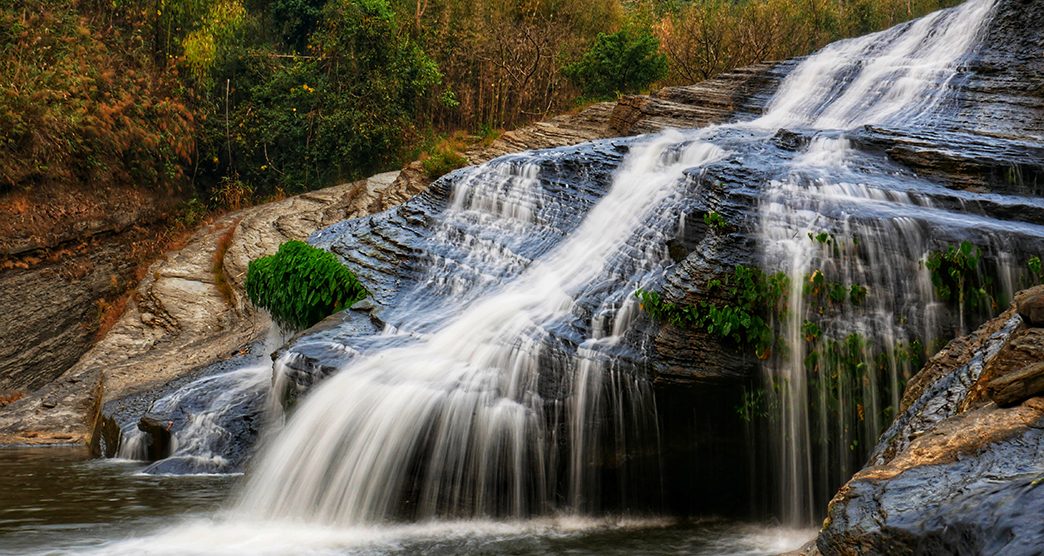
(109, 313)
(218, 262)
(10, 397)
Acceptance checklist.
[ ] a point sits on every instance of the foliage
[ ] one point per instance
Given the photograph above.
(300, 122)
(82, 106)
(623, 62)
(191, 213)
(502, 61)
(246, 99)
(715, 221)
(1035, 266)
(753, 297)
(300, 285)
(823, 238)
(826, 292)
(442, 159)
(753, 405)
(957, 275)
(296, 20)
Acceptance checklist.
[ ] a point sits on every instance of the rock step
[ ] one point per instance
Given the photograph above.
(1012, 389)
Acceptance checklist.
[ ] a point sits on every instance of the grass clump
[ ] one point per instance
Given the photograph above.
(445, 156)
(715, 221)
(300, 285)
(957, 275)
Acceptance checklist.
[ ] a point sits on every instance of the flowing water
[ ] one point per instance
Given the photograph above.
(500, 408)
(463, 401)
(60, 502)
(451, 415)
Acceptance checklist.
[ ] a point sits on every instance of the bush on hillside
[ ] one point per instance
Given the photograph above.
(83, 106)
(343, 110)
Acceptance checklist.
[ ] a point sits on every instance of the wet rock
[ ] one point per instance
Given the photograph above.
(955, 474)
(157, 429)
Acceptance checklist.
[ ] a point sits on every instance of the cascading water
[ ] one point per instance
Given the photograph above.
(499, 384)
(852, 235)
(211, 420)
(504, 391)
(462, 419)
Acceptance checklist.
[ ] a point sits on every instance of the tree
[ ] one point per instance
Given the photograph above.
(343, 110)
(623, 62)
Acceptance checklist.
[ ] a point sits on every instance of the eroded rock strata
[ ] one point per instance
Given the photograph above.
(956, 473)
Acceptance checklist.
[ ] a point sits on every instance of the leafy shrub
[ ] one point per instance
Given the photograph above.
(623, 62)
(300, 285)
(957, 275)
(716, 221)
(1034, 265)
(753, 297)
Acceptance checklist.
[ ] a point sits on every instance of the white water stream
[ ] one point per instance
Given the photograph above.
(465, 399)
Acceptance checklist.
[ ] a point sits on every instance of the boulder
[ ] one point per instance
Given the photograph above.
(1015, 388)
(955, 473)
(1031, 309)
(158, 438)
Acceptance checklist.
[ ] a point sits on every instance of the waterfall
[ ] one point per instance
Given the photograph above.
(500, 382)
(462, 418)
(211, 419)
(832, 221)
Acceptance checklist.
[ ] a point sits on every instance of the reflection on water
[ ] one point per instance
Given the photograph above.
(48, 496)
(55, 501)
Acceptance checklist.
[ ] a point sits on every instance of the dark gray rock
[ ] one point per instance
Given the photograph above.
(157, 432)
(955, 474)
(987, 502)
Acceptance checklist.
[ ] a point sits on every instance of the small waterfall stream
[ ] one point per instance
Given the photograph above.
(210, 420)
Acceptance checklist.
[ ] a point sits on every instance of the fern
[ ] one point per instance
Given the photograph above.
(301, 285)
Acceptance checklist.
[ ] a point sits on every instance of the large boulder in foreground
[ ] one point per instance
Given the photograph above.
(956, 473)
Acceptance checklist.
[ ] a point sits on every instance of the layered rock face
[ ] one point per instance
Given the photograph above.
(63, 254)
(957, 473)
(179, 319)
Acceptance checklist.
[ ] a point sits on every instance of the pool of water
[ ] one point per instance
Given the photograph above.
(58, 501)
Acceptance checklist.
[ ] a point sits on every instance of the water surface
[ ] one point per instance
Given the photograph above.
(58, 501)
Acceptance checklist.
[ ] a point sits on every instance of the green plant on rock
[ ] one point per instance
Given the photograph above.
(1034, 265)
(811, 331)
(441, 161)
(300, 285)
(821, 238)
(857, 294)
(957, 275)
(827, 292)
(753, 297)
(753, 405)
(715, 221)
